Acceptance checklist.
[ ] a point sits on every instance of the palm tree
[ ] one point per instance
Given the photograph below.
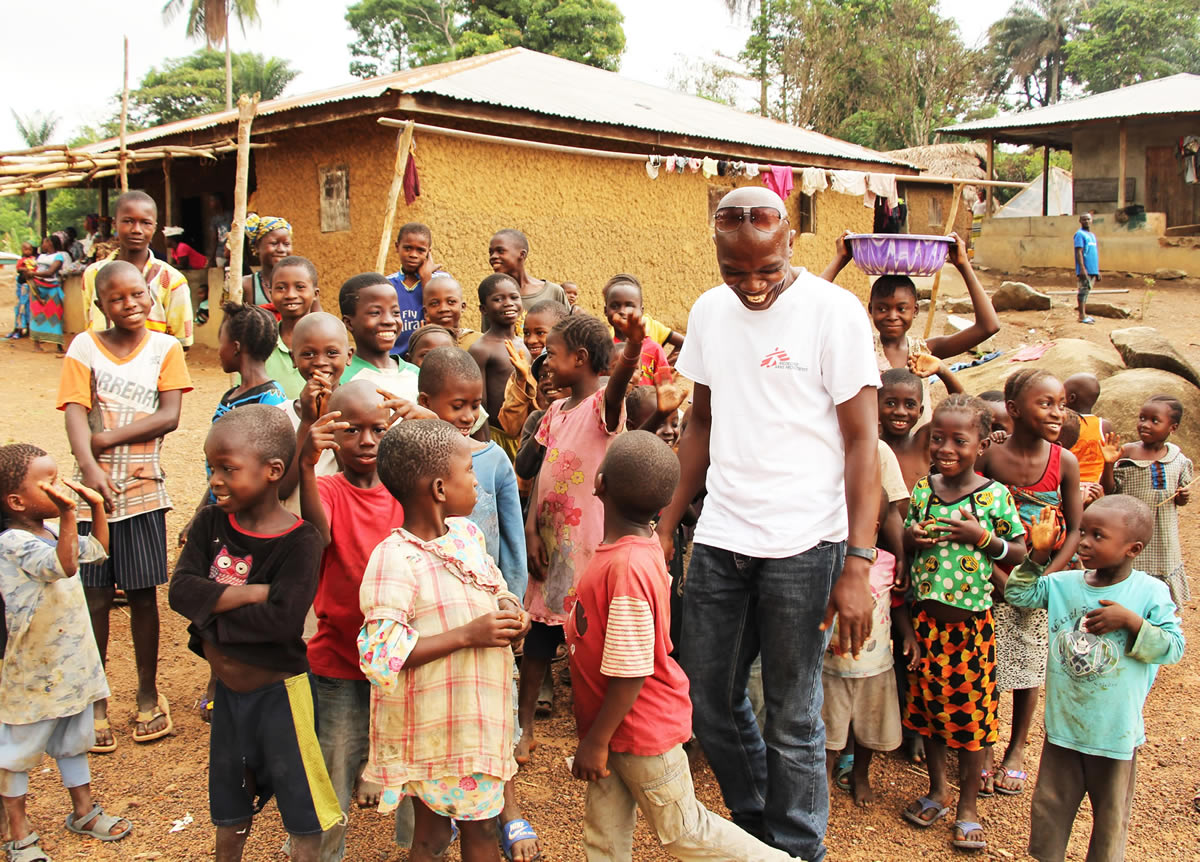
(268, 76)
(1028, 49)
(210, 19)
(36, 130)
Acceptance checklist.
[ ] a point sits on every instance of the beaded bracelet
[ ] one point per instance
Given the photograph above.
(984, 540)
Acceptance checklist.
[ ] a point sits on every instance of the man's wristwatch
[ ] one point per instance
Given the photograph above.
(868, 554)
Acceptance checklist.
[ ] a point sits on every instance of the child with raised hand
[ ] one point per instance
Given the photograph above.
(961, 527)
(1038, 473)
(244, 581)
(893, 307)
(632, 708)
(520, 392)
(566, 521)
(121, 392)
(372, 315)
(353, 512)
(1155, 471)
(623, 296)
(443, 305)
(500, 302)
(1111, 626)
(52, 669)
(294, 292)
(436, 645)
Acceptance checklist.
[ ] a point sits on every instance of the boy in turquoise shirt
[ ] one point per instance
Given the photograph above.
(1111, 626)
(1087, 264)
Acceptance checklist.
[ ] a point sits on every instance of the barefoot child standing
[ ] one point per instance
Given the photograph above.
(500, 301)
(52, 669)
(436, 645)
(1111, 626)
(121, 392)
(245, 581)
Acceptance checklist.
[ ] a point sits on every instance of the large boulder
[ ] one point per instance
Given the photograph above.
(1066, 357)
(1145, 347)
(1164, 274)
(1123, 394)
(1109, 309)
(1018, 296)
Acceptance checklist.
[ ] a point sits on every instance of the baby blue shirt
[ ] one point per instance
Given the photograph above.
(497, 514)
(1096, 684)
(1086, 240)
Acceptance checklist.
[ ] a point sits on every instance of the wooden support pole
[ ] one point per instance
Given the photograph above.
(124, 123)
(1121, 169)
(105, 185)
(42, 211)
(1046, 180)
(937, 276)
(247, 105)
(168, 211)
(991, 175)
(403, 143)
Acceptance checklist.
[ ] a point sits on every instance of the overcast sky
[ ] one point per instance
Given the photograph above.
(76, 73)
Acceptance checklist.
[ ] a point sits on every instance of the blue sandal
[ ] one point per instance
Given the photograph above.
(927, 804)
(965, 828)
(514, 831)
(842, 772)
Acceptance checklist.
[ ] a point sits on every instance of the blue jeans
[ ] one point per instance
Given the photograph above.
(344, 707)
(735, 607)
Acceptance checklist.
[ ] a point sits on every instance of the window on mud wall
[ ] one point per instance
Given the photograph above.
(805, 210)
(334, 182)
(937, 216)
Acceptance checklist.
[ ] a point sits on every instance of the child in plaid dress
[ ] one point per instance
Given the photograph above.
(436, 645)
(1156, 472)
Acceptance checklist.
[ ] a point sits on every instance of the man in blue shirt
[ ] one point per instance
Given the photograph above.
(1087, 263)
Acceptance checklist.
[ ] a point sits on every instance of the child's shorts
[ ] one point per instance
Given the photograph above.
(870, 702)
(472, 797)
(542, 640)
(65, 739)
(137, 554)
(271, 733)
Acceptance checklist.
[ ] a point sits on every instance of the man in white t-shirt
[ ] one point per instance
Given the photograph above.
(783, 435)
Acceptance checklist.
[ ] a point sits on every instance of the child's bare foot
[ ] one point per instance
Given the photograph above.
(525, 747)
(864, 795)
(366, 793)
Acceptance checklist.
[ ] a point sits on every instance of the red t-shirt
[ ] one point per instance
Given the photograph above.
(620, 627)
(359, 519)
(653, 358)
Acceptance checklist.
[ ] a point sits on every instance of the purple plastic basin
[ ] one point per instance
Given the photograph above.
(898, 253)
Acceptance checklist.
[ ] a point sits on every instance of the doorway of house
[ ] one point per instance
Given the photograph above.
(1166, 192)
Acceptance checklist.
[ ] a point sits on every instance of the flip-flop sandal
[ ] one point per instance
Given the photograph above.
(841, 772)
(984, 776)
(99, 724)
(1088, 320)
(25, 849)
(1014, 775)
(965, 828)
(163, 709)
(102, 827)
(927, 804)
(514, 831)
(206, 709)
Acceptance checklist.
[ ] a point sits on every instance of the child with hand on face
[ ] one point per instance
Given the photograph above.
(893, 307)
(500, 301)
(414, 244)
(245, 581)
(632, 707)
(52, 669)
(443, 306)
(1155, 471)
(372, 315)
(436, 646)
(960, 528)
(1111, 626)
(623, 296)
(294, 291)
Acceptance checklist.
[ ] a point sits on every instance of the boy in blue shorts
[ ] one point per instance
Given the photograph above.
(1111, 626)
(121, 392)
(245, 580)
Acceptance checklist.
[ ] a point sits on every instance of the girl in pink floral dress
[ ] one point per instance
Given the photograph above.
(566, 521)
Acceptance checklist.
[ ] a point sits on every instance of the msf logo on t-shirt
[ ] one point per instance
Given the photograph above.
(778, 358)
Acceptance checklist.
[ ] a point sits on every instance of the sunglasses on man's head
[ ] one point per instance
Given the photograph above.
(765, 219)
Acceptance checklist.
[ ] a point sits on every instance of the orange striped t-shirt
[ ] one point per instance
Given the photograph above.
(116, 392)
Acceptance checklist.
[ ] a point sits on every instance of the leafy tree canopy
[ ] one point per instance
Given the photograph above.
(1122, 42)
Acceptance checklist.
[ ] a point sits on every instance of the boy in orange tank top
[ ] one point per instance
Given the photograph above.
(1083, 390)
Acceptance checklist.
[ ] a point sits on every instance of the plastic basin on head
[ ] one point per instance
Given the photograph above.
(898, 253)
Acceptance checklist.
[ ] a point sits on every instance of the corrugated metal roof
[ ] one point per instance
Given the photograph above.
(526, 80)
(1178, 94)
(530, 81)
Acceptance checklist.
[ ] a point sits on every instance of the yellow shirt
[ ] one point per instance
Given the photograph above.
(171, 307)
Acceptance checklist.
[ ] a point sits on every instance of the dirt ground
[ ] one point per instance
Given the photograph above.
(165, 782)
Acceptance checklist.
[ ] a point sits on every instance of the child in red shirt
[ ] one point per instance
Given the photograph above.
(631, 698)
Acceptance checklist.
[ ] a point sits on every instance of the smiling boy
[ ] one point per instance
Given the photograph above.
(372, 314)
(500, 301)
(507, 253)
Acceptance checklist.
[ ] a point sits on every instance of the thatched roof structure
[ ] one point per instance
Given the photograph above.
(965, 160)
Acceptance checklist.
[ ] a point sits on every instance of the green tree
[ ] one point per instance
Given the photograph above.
(194, 85)
(1122, 42)
(36, 130)
(1027, 51)
(757, 53)
(15, 224)
(209, 20)
(403, 34)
